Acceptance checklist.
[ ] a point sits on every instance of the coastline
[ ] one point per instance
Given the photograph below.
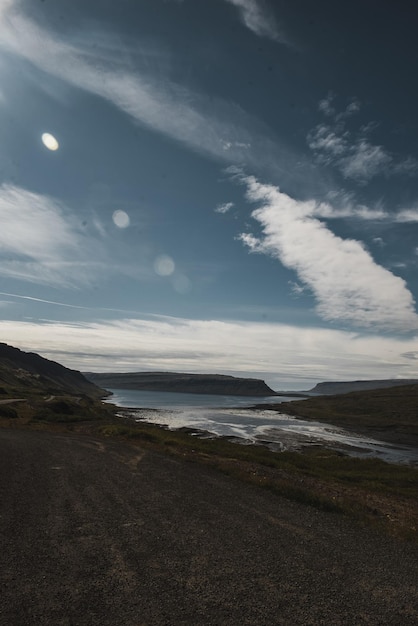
(279, 439)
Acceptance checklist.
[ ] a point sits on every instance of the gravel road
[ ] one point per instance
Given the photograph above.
(98, 532)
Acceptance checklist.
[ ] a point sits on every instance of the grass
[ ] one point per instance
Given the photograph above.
(391, 413)
(370, 491)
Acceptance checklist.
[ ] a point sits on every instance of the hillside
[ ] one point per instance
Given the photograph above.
(333, 388)
(390, 414)
(182, 383)
(27, 372)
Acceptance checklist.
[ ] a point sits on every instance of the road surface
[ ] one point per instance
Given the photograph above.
(100, 532)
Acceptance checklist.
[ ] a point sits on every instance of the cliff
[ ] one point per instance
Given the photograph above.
(182, 383)
(334, 388)
(27, 372)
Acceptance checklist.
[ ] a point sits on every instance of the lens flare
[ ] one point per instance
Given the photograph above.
(164, 265)
(121, 219)
(50, 142)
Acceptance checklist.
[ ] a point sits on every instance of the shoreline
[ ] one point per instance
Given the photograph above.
(281, 440)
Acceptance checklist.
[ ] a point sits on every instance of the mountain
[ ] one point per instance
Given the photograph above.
(183, 383)
(334, 388)
(27, 372)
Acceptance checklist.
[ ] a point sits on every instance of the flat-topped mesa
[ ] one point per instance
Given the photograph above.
(334, 388)
(215, 384)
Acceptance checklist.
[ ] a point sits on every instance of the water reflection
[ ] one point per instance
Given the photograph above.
(230, 416)
(278, 431)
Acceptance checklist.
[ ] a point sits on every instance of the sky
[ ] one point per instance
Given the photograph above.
(211, 186)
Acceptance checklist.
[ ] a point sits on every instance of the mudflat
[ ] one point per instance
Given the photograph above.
(102, 532)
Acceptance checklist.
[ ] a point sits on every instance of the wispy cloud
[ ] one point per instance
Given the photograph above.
(89, 62)
(307, 354)
(347, 208)
(347, 284)
(40, 242)
(258, 18)
(224, 208)
(407, 215)
(353, 154)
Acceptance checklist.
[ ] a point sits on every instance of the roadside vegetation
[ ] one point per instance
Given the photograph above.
(370, 491)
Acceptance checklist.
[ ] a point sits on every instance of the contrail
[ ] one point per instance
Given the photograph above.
(71, 306)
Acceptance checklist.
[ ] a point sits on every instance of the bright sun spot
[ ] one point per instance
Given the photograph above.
(121, 219)
(50, 142)
(164, 265)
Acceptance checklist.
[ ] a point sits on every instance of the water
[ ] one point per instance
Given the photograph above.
(229, 416)
(167, 400)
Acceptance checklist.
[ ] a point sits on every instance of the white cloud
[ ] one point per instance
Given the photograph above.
(353, 154)
(326, 105)
(95, 63)
(224, 208)
(349, 287)
(283, 355)
(258, 19)
(407, 215)
(352, 108)
(296, 289)
(364, 161)
(327, 143)
(379, 241)
(348, 209)
(356, 159)
(39, 242)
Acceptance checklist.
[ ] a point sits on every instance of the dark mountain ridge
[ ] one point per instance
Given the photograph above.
(26, 371)
(216, 384)
(334, 388)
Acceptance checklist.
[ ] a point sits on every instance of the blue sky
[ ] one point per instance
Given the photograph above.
(211, 186)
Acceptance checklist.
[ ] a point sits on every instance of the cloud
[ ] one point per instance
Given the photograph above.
(224, 208)
(347, 208)
(348, 286)
(259, 20)
(95, 62)
(379, 241)
(39, 241)
(364, 161)
(296, 289)
(305, 356)
(353, 154)
(326, 105)
(407, 215)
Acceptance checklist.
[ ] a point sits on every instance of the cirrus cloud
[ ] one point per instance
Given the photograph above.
(352, 153)
(259, 19)
(40, 242)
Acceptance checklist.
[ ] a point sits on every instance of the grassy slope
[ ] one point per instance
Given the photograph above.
(370, 491)
(389, 414)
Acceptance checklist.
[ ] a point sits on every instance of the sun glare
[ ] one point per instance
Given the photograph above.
(50, 142)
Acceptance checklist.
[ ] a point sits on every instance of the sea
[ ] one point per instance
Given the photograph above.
(231, 417)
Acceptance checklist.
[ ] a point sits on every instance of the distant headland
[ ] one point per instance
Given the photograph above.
(336, 388)
(215, 384)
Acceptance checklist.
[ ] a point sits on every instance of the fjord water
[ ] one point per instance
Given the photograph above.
(169, 400)
(230, 416)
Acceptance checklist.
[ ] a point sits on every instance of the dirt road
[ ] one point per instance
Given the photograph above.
(99, 532)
